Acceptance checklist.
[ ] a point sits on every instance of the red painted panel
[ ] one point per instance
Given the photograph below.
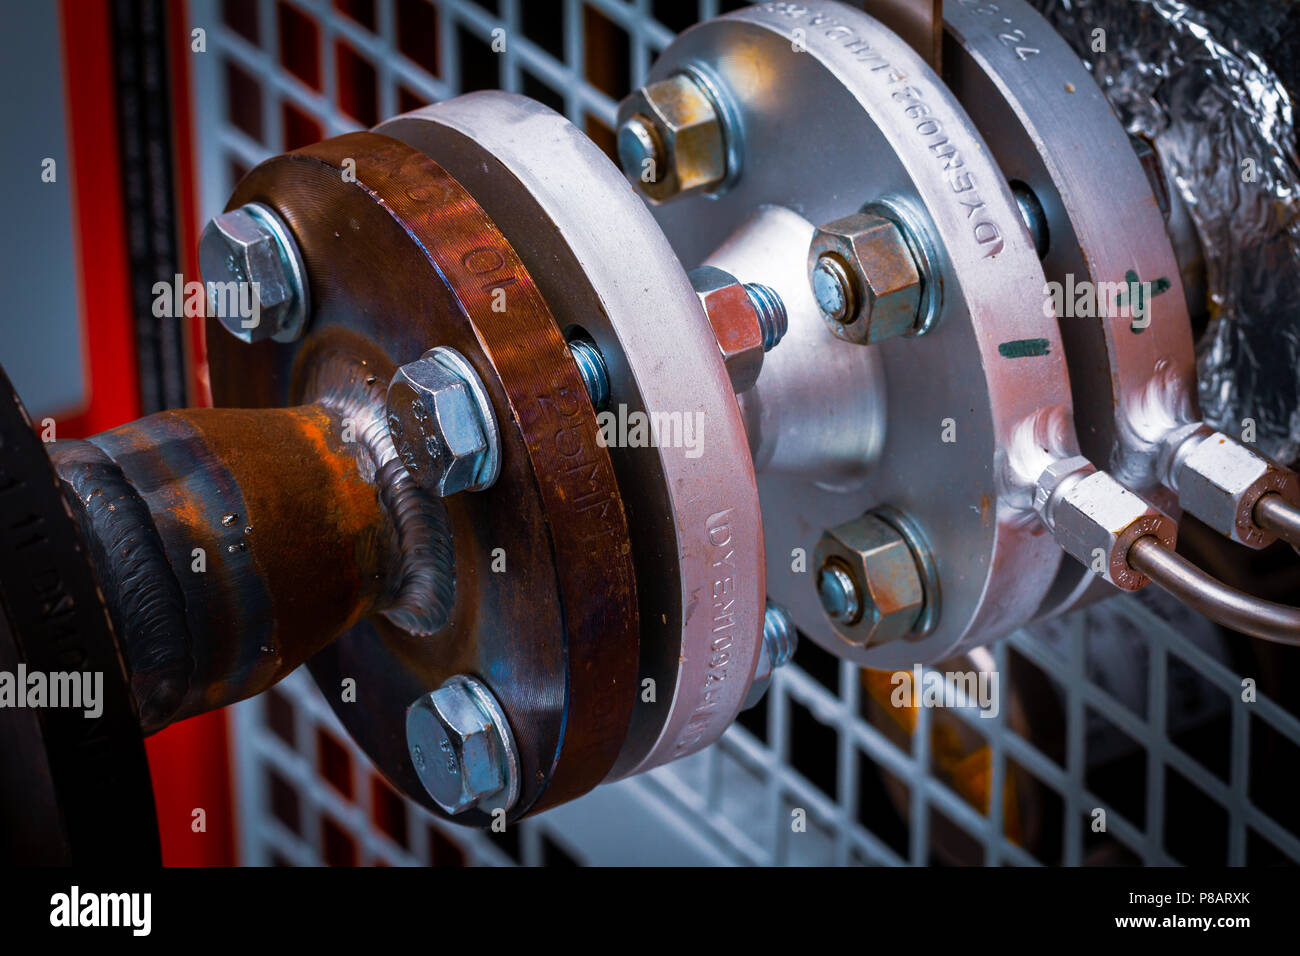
(187, 192)
(190, 766)
(98, 220)
(189, 762)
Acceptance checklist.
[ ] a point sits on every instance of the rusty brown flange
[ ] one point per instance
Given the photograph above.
(401, 259)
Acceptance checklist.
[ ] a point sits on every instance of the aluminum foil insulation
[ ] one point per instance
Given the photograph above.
(1222, 123)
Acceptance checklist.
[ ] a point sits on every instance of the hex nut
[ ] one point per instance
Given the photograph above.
(886, 285)
(685, 135)
(1220, 481)
(1053, 480)
(460, 755)
(879, 559)
(247, 245)
(1095, 519)
(735, 323)
(436, 427)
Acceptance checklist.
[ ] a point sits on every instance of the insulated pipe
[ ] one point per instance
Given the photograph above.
(1213, 598)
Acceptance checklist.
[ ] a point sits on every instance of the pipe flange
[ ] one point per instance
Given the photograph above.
(561, 653)
(1002, 358)
(696, 527)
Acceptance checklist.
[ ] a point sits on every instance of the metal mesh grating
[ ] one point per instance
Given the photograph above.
(1118, 709)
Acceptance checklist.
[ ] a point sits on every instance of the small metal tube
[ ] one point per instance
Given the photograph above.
(1274, 513)
(1213, 598)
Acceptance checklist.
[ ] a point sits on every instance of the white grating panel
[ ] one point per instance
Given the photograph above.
(1137, 717)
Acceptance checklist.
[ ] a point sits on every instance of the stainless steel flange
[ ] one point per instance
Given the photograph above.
(693, 513)
(1050, 127)
(875, 123)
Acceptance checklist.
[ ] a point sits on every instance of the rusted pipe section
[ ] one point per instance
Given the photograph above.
(231, 544)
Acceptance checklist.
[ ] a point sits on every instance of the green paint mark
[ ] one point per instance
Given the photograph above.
(1137, 291)
(1024, 348)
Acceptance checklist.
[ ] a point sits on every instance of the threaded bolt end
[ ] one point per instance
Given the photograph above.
(772, 317)
(833, 289)
(779, 635)
(839, 593)
(639, 151)
(591, 366)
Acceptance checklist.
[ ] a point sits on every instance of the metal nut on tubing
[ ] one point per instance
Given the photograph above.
(1220, 481)
(1096, 520)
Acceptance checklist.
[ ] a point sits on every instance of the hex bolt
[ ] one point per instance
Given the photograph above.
(591, 367)
(866, 278)
(442, 424)
(839, 592)
(462, 749)
(780, 639)
(671, 138)
(748, 319)
(873, 578)
(252, 245)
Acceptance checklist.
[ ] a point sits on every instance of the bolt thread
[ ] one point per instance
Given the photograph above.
(772, 317)
(779, 635)
(591, 367)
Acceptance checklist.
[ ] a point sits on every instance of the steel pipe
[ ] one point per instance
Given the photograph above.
(1213, 598)
(1274, 513)
(231, 545)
